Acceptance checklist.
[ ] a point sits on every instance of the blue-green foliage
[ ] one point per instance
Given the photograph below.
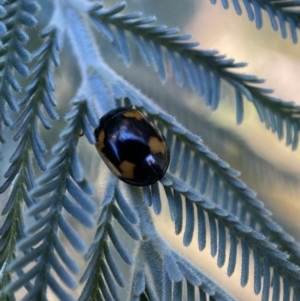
(281, 14)
(205, 197)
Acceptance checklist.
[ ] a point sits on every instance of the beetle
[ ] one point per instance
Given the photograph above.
(132, 147)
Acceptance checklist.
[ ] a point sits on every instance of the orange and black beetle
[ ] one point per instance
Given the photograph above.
(132, 147)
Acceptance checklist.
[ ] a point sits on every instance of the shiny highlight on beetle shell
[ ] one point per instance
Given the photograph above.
(132, 147)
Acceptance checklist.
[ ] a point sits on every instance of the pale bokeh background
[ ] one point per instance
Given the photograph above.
(269, 57)
(278, 61)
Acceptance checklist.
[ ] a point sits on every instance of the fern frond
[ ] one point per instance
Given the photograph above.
(102, 265)
(249, 239)
(64, 180)
(37, 95)
(240, 192)
(201, 70)
(214, 177)
(14, 16)
(207, 201)
(281, 14)
(228, 191)
(153, 259)
(164, 269)
(20, 175)
(248, 160)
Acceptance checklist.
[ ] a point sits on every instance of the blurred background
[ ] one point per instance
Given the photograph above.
(267, 165)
